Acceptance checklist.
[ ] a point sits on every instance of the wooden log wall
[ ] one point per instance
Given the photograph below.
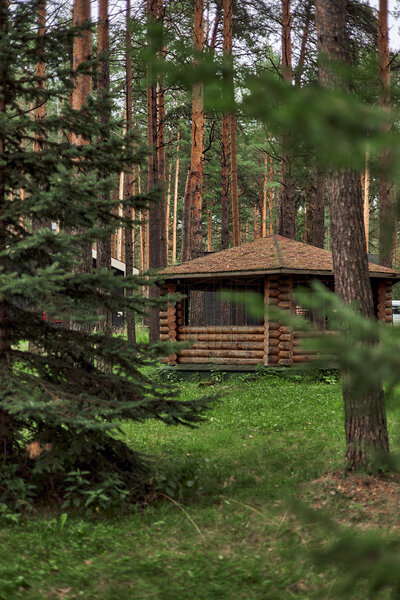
(385, 300)
(229, 345)
(299, 353)
(278, 338)
(270, 344)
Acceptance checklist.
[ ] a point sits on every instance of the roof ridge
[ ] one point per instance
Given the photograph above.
(278, 251)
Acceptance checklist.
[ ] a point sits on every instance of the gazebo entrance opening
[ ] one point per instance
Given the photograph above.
(222, 304)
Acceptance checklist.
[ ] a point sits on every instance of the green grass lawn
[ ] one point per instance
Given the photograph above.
(223, 526)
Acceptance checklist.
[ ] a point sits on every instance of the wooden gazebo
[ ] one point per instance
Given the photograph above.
(223, 332)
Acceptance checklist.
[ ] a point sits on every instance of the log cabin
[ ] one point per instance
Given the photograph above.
(225, 332)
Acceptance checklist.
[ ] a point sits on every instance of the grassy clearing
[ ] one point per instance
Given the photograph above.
(228, 531)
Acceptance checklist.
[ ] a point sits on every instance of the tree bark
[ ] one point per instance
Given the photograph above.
(6, 420)
(272, 195)
(81, 52)
(287, 208)
(209, 230)
(175, 213)
(396, 232)
(366, 199)
(161, 132)
(217, 20)
(234, 182)
(318, 221)
(307, 204)
(168, 211)
(386, 215)
(228, 59)
(156, 231)
(40, 117)
(365, 419)
(41, 108)
(256, 228)
(103, 260)
(129, 184)
(103, 87)
(303, 47)
(192, 234)
(228, 142)
(264, 198)
(225, 155)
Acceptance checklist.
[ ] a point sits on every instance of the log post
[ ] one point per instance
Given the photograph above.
(180, 314)
(385, 301)
(285, 301)
(266, 322)
(271, 329)
(171, 315)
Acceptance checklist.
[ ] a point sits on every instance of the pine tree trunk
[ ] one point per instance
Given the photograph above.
(142, 227)
(119, 254)
(226, 142)
(366, 199)
(225, 152)
(168, 211)
(386, 214)
(194, 188)
(156, 231)
(287, 208)
(103, 87)
(256, 228)
(264, 198)
(318, 223)
(161, 133)
(209, 231)
(161, 136)
(192, 234)
(175, 214)
(257, 215)
(234, 183)
(81, 52)
(103, 260)
(396, 231)
(129, 191)
(228, 58)
(6, 420)
(217, 20)
(40, 116)
(303, 47)
(41, 108)
(365, 419)
(308, 208)
(141, 241)
(272, 194)
(185, 233)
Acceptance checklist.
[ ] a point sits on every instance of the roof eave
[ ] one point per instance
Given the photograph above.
(281, 270)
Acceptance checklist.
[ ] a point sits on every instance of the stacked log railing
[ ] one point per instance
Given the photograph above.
(228, 345)
(300, 354)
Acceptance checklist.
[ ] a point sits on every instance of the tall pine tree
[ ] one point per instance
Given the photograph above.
(58, 410)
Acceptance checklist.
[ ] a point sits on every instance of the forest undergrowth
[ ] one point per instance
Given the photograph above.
(227, 517)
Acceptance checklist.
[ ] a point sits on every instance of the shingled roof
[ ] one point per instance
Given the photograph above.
(274, 254)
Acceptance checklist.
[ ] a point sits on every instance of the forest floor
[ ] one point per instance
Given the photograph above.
(232, 518)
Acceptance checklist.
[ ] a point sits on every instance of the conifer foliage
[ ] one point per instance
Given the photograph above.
(59, 407)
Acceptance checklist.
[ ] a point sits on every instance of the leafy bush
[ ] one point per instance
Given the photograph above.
(80, 492)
